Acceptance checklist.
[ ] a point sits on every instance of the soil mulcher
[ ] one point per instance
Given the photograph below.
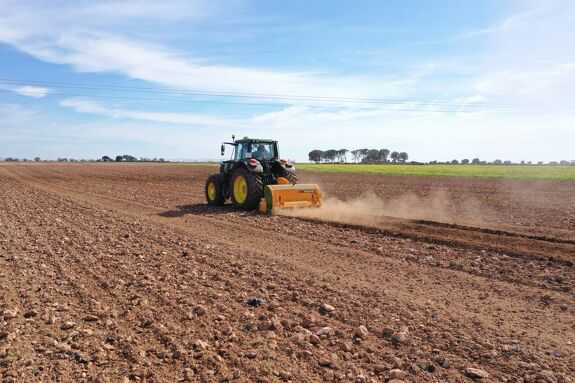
(255, 177)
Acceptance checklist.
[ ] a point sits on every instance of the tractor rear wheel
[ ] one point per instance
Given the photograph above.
(214, 193)
(246, 189)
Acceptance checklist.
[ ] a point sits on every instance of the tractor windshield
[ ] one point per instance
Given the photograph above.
(263, 152)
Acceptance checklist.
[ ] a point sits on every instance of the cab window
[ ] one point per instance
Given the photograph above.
(241, 151)
(263, 152)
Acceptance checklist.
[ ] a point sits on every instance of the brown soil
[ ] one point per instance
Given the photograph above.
(120, 272)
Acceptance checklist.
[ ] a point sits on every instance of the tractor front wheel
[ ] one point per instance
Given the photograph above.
(246, 189)
(214, 193)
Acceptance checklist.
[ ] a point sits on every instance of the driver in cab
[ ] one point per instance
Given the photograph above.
(261, 153)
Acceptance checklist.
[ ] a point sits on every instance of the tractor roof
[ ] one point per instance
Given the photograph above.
(256, 140)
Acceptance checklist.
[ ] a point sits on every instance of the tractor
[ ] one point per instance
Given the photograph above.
(255, 176)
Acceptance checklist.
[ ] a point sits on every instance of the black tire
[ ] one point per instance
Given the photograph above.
(218, 199)
(291, 177)
(255, 189)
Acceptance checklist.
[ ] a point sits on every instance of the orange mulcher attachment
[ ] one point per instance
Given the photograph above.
(286, 195)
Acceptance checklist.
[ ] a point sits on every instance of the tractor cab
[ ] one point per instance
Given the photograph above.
(261, 150)
(255, 154)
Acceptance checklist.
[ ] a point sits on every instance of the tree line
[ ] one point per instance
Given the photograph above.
(130, 158)
(119, 158)
(477, 161)
(382, 156)
(365, 156)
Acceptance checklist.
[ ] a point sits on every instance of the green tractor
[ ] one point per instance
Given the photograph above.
(254, 164)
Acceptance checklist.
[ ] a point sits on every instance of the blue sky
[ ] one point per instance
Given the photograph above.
(440, 80)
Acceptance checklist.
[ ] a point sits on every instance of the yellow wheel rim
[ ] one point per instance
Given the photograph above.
(211, 191)
(240, 189)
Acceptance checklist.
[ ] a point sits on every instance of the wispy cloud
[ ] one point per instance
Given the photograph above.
(94, 48)
(519, 20)
(100, 53)
(26, 90)
(194, 119)
(31, 91)
(14, 114)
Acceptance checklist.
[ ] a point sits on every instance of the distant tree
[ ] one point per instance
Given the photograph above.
(553, 163)
(106, 159)
(497, 162)
(394, 157)
(330, 155)
(383, 153)
(37, 159)
(475, 161)
(355, 155)
(465, 161)
(507, 163)
(315, 156)
(454, 162)
(162, 160)
(342, 155)
(539, 162)
(119, 158)
(522, 162)
(372, 156)
(529, 162)
(403, 157)
(129, 158)
(563, 162)
(434, 162)
(363, 153)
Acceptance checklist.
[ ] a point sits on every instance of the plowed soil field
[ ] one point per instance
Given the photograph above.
(120, 273)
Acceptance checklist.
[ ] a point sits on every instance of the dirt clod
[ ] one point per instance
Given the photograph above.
(476, 373)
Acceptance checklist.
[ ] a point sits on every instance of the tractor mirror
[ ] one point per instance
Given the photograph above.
(223, 149)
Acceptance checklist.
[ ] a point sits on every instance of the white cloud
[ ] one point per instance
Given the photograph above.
(424, 135)
(519, 20)
(26, 90)
(15, 114)
(86, 38)
(31, 91)
(99, 52)
(302, 129)
(195, 119)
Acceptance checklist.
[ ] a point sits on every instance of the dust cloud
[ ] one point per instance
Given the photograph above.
(369, 209)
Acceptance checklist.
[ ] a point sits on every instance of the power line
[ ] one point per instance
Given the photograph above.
(173, 91)
(455, 108)
(255, 104)
(216, 102)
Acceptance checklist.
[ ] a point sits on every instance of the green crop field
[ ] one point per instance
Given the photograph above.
(564, 173)
(560, 173)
